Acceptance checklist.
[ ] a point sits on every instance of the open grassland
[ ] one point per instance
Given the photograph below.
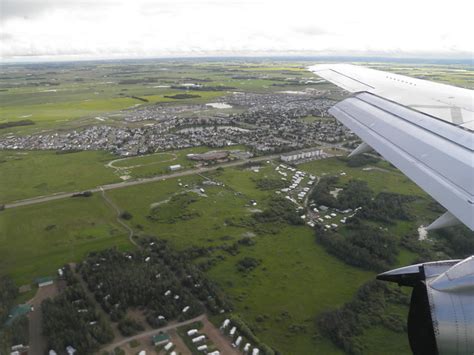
(36, 240)
(295, 281)
(29, 174)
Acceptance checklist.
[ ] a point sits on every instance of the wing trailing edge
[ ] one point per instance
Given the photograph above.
(438, 157)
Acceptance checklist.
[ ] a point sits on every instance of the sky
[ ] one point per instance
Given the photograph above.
(98, 29)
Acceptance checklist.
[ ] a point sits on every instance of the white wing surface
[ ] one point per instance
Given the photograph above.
(425, 129)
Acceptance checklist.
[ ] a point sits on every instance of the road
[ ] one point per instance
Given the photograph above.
(152, 332)
(128, 183)
(120, 185)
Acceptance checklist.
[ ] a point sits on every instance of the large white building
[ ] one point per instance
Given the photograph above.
(304, 154)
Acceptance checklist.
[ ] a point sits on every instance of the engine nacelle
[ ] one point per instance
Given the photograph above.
(441, 316)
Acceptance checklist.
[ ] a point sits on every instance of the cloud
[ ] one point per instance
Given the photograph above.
(121, 28)
(310, 30)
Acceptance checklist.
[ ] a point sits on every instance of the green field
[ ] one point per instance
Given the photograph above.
(36, 240)
(29, 174)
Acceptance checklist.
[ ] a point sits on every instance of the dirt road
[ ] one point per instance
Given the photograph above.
(150, 333)
(37, 341)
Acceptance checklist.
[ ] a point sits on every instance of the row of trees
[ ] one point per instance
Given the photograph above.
(16, 331)
(8, 294)
(71, 319)
(369, 307)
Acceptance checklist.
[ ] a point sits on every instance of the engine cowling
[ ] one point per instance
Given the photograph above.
(441, 316)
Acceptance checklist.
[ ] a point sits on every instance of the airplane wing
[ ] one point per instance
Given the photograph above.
(425, 129)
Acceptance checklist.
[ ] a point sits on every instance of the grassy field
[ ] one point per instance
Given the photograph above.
(36, 240)
(27, 174)
(35, 173)
(156, 164)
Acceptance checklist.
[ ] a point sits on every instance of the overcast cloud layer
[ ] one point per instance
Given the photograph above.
(61, 29)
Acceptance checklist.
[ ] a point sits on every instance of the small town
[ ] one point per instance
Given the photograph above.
(269, 123)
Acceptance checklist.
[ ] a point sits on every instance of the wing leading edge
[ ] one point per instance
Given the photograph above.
(435, 152)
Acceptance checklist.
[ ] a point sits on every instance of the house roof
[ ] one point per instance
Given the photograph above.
(160, 337)
(41, 280)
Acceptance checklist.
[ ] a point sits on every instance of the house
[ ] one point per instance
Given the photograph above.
(143, 352)
(18, 311)
(70, 350)
(202, 347)
(233, 330)
(185, 309)
(246, 347)
(44, 281)
(255, 351)
(168, 346)
(160, 339)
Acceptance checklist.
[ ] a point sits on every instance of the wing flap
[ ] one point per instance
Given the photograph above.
(442, 167)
